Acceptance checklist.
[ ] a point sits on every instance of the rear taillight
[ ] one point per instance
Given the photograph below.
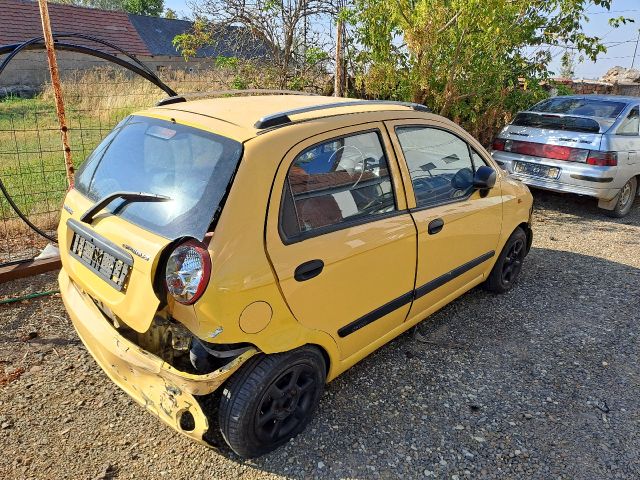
(187, 272)
(602, 159)
(498, 144)
(543, 150)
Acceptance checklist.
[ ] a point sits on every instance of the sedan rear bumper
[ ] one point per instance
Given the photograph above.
(163, 390)
(578, 178)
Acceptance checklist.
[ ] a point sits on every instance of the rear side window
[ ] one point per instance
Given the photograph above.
(631, 124)
(337, 182)
(439, 164)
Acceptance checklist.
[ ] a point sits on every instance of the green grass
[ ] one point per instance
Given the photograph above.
(31, 160)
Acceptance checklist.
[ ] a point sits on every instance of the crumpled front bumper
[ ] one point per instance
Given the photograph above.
(163, 390)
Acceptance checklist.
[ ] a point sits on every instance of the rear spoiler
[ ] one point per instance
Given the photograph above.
(560, 121)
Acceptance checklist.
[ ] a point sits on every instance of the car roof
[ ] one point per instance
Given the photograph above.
(611, 98)
(236, 117)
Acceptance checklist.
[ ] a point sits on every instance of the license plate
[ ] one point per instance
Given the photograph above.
(536, 170)
(106, 265)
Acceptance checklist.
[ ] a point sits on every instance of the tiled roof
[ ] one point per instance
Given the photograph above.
(20, 21)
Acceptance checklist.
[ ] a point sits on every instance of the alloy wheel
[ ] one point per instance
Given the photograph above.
(513, 262)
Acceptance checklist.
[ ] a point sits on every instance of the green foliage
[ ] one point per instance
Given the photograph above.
(144, 7)
(188, 43)
(140, 7)
(474, 61)
(170, 14)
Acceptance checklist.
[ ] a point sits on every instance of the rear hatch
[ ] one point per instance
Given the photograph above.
(577, 122)
(555, 129)
(183, 174)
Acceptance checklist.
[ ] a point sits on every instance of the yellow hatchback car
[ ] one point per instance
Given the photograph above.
(223, 259)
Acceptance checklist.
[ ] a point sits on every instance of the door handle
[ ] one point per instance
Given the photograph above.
(435, 226)
(308, 270)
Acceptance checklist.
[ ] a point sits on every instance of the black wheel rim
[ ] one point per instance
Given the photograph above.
(513, 262)
(286, 404)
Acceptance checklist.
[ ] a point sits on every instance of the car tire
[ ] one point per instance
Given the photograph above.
(271, 399)
(509, 264)
(625, 199)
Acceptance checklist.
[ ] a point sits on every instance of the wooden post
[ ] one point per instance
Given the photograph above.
(339, 75)
(57, 89)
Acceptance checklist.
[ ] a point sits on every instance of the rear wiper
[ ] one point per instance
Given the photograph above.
(87, 216)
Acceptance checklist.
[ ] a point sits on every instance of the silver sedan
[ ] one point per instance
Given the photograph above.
(583, 144)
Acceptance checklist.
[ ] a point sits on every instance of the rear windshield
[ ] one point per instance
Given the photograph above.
(556, 122)
(580, 106)
(192, 167)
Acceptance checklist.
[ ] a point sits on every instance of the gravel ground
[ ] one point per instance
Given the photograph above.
(543, 382)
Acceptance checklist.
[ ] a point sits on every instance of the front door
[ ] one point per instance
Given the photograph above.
(458, 226)
(340, 238)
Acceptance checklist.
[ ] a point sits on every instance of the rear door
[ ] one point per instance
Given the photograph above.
(458, 227)
(340, 239)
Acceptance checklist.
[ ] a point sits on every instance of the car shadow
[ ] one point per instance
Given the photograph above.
(526, 384)
(580, 209)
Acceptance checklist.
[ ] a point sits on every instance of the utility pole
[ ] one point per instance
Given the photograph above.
(633, 60)
(338, 89)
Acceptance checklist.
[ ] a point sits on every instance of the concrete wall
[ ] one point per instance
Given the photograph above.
(30, 71)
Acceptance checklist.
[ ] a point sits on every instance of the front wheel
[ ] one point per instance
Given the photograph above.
(509, 264)
(625, 199)
(270, 400)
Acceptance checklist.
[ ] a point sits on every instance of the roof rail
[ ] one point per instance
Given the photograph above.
(282, 118)
(227, 93)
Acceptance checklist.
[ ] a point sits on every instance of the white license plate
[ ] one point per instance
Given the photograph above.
(536, 170)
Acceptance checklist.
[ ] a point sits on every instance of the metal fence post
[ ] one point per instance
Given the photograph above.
(57, 89)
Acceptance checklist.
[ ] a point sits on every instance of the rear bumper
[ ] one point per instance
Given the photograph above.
(163, 390)
(578, 178)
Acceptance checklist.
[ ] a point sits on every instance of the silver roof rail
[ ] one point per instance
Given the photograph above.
(282, 118)
(228, 93)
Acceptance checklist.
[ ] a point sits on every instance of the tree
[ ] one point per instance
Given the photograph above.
(567, 64)
(140, 7)
(170, 14)
(285, 28)
(475, 61)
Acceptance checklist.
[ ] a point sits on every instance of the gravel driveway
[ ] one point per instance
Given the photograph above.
(543, 382)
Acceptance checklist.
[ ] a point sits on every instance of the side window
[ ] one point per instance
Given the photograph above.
(631, 124)
(338, 181)
(478, 161)
(439, 163)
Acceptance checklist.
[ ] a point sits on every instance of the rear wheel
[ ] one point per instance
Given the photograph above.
(625, 199)
(270, 400)
(509, 264)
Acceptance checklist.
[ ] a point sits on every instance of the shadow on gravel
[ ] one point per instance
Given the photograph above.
(541, 382)
(581, 209)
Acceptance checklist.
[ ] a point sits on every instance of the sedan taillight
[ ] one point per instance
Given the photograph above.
(602, 159)
(187, 272)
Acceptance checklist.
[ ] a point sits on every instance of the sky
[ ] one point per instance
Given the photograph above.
(620, 42)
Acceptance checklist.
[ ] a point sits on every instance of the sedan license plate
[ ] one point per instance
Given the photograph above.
(107, 266)
(536, 170)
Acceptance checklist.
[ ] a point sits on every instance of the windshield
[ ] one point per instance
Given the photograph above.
(580, 106)
(190, 166)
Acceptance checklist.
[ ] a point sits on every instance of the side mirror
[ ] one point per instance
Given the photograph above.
(484, 178)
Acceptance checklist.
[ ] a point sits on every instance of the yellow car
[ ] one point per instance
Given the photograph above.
(223, 259)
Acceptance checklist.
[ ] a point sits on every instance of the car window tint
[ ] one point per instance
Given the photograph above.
(439, 164)
(580, 106)
(337, 181)
(478, 161)
(631, 124)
